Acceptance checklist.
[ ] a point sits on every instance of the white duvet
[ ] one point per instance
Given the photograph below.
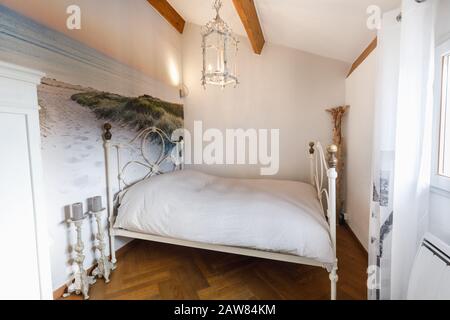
(278, 216)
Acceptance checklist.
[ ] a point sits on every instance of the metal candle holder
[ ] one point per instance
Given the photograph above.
(104, 266)
(81, 282)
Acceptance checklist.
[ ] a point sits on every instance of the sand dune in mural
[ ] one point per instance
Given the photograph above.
(72, 137)
(141, 112)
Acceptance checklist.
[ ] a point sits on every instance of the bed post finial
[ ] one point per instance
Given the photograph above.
(312, 168)
(107, 135)
(311, 147)
(332, 150)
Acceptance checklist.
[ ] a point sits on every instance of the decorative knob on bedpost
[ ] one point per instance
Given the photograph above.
(311, 147)
(312, 167)
(332, 150)
(107, 135)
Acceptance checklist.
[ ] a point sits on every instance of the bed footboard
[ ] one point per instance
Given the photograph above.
(321, 166)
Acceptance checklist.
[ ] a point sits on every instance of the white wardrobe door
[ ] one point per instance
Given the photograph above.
(19, 270)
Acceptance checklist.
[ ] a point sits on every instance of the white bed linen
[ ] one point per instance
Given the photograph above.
(271, 215)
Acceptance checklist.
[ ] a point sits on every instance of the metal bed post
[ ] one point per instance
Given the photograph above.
(317, 159)
(107, 136)
(332, 176)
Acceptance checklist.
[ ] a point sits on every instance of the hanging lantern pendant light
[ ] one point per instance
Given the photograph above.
(220, 48)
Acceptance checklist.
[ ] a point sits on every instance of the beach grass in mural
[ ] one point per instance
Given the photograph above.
(138, 112)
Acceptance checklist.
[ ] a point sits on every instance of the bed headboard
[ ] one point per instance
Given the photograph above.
(171, 152)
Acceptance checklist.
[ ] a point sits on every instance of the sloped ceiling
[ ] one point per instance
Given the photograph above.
(331, 28)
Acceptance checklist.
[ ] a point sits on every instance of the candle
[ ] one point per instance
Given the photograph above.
(97, 204)
(77, 211)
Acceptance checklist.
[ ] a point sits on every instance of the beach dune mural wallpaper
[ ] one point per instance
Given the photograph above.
(83, 90)
(72, 116)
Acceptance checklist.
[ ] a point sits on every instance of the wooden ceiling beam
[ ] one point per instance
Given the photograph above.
(169, 13)
(249, 17)
(372, 46)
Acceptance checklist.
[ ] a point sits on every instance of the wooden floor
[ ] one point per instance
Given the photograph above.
(158, 271)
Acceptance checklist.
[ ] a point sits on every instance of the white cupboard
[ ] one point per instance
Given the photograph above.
(24, 265)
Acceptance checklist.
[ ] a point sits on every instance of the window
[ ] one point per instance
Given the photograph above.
(444, 130)
(441, 166)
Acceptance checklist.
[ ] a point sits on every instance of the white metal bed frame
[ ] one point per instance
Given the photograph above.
(320, 166)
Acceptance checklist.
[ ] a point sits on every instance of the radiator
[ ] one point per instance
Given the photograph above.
(430, 275)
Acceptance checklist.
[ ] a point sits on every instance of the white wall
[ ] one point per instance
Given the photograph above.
(360, 95)
(440, 200)
(282, 89)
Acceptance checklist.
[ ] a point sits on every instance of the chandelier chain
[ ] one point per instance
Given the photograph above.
(217, 5)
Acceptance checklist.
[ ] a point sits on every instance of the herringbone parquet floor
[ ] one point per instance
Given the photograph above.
(158, 271)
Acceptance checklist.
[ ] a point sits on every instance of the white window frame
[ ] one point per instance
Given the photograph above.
(439, 181)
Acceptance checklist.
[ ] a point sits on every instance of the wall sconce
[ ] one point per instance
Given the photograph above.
(184, 91)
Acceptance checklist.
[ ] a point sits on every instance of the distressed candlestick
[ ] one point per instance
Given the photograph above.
(82, 282)
(104, 266)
